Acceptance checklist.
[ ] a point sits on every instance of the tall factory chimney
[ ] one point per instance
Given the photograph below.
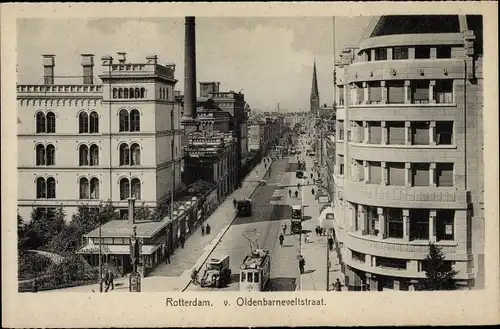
(190, 69)
(48, 62)
(88, 69)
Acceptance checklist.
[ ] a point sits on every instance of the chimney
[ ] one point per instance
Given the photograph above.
(190, 69)
(48, 62)
(122, 57)
(88, 69)
(131, 209)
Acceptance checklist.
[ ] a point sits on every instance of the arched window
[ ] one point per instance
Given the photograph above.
(94, 188)
(83, 123)
(137, 93)
(124, 189)
(136, 188)
(124, 155)
(94, 155)
(115, 93)
(131, 92)
(83, 155)
(84, 188)
(40, 155)
(51, 122)
(135, 120)
(50, 155)
(143, 92)
(40, 122)
(125, 93)
(124, 120)
(94, 122)
(51, 188)
(135, 154)
(41, 188)
(120, 93)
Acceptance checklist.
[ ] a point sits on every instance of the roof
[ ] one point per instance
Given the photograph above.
(256, 259)
(111, 249)
(297, 207)
(123, 228)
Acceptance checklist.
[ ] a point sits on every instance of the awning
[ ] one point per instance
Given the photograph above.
(111, 249)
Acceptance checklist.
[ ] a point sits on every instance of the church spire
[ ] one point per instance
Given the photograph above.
(314, 88)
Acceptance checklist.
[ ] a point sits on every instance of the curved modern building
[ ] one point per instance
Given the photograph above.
(409, 151)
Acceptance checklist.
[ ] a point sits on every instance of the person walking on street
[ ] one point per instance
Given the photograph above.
(312, 175)
(282, 238)
(34, 286)
(306, 238)
(166, 254)
(207, 229)
(330, 242)
(302, 264)
(289, 193)
(202, 230)
(296, 194)
(109, 280)
(338, 285)
(182, 240)
(234, 202)
(316, 230)
(312, 191)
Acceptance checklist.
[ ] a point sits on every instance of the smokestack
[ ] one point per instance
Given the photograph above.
(88, 69)
(190, 69)
(131, 209)
(122, 57)
(48, 62)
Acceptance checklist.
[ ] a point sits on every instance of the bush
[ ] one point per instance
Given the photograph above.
(438, 272)
(31, 265)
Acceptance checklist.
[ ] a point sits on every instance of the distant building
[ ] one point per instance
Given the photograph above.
(87, 143)
(409, 151)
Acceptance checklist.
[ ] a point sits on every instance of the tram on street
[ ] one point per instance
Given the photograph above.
(255, 270)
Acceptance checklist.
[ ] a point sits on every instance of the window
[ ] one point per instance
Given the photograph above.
(84, 188)
(124, 120)
(50, 153)
(394, 223)
(341, 129)
(375, 172)
(51, 188)
(396, 133)
(243, 276)
(94, 188)
(396, 173)
(143, 92)
(420, 132)
(391, 263)
(444, 132)
(341, 164)
(443, 52)
(256, 278)
(125, 93)
(83, 122)
(360, 170)
(375, 92)
(422, 52)
(444, 174)
(444, 224)
(250, 277)
(124, 155)
(40, 155)
(94, 122)
(419, 92)
(120, 93)
(94, 155)
(375, 132)
(137, 93)
(134, 120)
(40, 122)
(358, 256)
(124, 189)
(419, 224)
(83, 151)
(420, 174)
(380, 54)
(400, 53)
(51, 123)
(135, 154)
(45, 156)
(41, 188)
(115, 93)
(443, 91)
(395, 92)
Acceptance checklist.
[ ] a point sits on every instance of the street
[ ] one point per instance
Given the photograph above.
(263, 227)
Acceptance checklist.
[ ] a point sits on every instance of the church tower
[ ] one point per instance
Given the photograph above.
(314, 93)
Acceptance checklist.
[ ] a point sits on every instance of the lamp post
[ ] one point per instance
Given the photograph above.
(100, 255)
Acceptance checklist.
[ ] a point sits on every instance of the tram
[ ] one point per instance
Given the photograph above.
(255, 270)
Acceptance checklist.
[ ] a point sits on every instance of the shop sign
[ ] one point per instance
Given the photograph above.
(449, 229)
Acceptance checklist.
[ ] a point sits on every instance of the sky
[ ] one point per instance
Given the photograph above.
(270, 60)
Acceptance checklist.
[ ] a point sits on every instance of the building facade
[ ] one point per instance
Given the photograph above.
(88, 143)
(409, 154)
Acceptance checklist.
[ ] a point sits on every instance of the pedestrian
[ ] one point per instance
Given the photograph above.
(330, 242)
(312, 177)
(302, 264)
(306, 238)
(207, 229)
(182, 240)
(282, 238)
(298, 185)
(316, 230)
(167, 255)
(290, 193)
(320, 231)
(338, 285)
(202, 230)
(34, 286)
(284, 229)
(312, 191)
(109, 281)
(296, 194)
(234, 202)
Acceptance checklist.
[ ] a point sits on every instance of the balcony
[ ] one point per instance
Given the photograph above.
(406, 197)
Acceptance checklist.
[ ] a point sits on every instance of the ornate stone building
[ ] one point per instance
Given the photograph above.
(409, 150)
(87, 143)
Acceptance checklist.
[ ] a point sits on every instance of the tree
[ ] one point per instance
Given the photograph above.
(438, 272)
(142, 213)
(45, 223)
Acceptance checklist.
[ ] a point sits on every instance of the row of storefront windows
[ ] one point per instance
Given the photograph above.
(394, 263)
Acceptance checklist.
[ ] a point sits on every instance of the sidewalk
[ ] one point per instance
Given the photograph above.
(176, 275)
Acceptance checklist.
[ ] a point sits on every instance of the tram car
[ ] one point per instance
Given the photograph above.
(255, 271)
